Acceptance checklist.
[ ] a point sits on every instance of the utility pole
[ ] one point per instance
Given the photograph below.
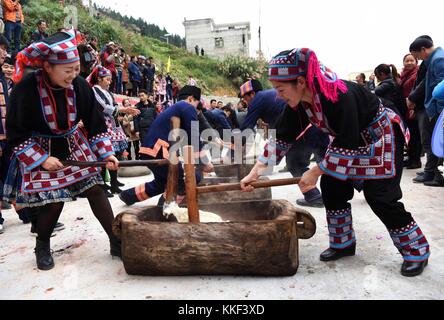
(260, 54)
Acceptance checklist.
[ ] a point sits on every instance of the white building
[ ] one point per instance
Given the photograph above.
(218, 40)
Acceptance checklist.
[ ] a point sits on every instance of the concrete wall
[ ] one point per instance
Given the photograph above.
(203, 32)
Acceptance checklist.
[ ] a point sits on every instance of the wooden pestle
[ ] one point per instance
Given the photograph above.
(257, 185)
(191, 185)
(173, 168)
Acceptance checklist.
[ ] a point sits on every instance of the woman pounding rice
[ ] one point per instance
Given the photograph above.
(368, 143)
(45, 109)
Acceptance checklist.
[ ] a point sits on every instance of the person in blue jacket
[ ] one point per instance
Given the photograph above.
(438, 135)
(156, 146)
(135, 77)
(423, 49)
(220, 120)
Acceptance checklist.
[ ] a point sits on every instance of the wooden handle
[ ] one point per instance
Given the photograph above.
(173, 168)
(257, 185)
(191, 185)
(133, 163)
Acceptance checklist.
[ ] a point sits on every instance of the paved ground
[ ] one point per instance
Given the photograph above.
(85, 270)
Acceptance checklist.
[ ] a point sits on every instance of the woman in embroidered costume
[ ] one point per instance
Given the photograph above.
(100, 79)
(42, 123)
(368, 143)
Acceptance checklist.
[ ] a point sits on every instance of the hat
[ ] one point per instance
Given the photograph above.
(60, 48)
(98, 72)
(289, 65)
(141, 57)
(187, 91)
(249, 86)
(104, 72)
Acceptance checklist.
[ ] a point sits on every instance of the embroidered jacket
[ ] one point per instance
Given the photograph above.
(362, 131)
(110, 110)
(38, 129)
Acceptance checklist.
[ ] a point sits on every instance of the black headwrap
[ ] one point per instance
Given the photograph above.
(421, 42)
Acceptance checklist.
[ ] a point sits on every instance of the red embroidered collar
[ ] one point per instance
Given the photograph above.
(49, 105)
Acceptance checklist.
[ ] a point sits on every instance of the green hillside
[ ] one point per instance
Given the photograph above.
(205, 70)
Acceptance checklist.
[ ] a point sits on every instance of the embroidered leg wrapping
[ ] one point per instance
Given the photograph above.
(411, 243)
(340, 228)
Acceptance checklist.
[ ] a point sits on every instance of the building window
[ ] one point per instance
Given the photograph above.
(243, 39)
(219, 42)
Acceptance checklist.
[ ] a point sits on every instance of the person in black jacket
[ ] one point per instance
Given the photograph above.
(388, 89)
(40, 33)
(367, 144)
(147, 114)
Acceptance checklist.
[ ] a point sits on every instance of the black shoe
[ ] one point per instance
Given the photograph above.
(437, 182)
(412, 269)
(59, 226)
(427, 176)
(414, 165)
(127, 202)
(43, 255)
(161, 201)
(120, 184)
(107, 193)
(335, 254)
(115, 190)
(106, 187)
(115, 247)
(317, 203)
(26, 221)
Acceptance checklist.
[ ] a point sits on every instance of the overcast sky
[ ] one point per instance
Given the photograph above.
(348, 36)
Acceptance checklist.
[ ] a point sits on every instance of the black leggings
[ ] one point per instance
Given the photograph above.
(383, 196)
(47, 216)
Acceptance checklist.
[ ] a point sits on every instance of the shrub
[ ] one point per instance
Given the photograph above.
(239, 69)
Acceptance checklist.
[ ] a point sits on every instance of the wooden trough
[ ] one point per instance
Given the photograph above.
(233, 170)
(260, 238)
